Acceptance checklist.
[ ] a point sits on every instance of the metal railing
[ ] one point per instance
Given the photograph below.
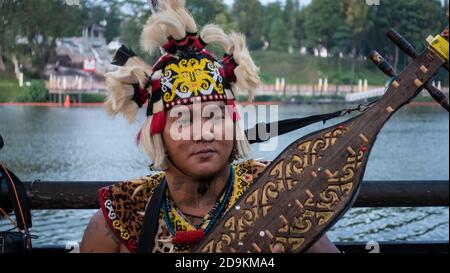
(373, 194)
(84, 195)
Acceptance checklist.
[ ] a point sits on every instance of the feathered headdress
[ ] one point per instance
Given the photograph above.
(185, 73)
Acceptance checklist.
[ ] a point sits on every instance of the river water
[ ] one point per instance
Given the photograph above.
(84, 144)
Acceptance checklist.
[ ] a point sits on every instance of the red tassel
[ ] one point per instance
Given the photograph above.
(156, 85)
(230, 65)
(231, 104)
(192, 237)
(143, 96)
(182, 42)
(158, 123)
(169, 46)
(209, 54)
(161, 62)
(198, 44)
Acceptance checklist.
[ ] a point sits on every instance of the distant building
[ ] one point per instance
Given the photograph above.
(81, 63)
(90, 47)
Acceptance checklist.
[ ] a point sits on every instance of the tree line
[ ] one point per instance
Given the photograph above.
(346, 27)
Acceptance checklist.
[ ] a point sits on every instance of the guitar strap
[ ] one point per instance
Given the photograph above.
(151, 220)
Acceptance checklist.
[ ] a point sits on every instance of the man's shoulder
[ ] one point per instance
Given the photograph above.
(135, 190)
(123, 205)
(133, 194)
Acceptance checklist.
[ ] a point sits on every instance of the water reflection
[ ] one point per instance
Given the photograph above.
(83, 144)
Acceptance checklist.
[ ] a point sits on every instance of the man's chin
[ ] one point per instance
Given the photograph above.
(205, 169)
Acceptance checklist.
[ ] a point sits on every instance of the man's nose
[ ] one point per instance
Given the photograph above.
(205, 132)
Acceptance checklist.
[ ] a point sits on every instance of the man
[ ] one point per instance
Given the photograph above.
(191, 133)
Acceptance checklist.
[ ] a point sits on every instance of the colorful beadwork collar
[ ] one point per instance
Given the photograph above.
(191, 235)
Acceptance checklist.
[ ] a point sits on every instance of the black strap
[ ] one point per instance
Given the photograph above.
(1, 142)
(261, 132)
(151, 220)
(15, 198)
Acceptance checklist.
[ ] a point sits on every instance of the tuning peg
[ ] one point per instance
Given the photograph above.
(402, 43)
(387, 69)
(382, 64)
(407, 47)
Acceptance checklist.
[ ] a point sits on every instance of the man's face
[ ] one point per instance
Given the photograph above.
(199, 138)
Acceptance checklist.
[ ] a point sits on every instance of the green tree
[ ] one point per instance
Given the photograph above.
(35, 25)
(357, 20)
(321, 19)
(277, 36)
(274, 28)
(343, 43)
(113, 20)
(271, 12)
(225, 21)
(342, 40)
(206, 11)
(414, 19)
(444, 14)
(291, 11)
(36, 92)
(130, 32)
(357, 14)
(6, 34)
(249, 17)
(299, 32)
(96, 13)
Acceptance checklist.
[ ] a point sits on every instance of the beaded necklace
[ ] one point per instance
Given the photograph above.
(194, 236)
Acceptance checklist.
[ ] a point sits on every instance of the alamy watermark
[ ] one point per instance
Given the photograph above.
(72, 247)
(373, 247)
(72, 2)
(373, 2)
(215, 122)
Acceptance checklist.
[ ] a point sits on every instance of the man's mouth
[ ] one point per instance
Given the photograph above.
(205, 151)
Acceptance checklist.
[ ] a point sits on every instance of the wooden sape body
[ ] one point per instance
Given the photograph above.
(316, 179)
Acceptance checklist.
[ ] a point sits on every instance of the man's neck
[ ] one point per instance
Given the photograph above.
(186, 196)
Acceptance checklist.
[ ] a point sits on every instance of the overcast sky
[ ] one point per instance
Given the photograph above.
(302, 2)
